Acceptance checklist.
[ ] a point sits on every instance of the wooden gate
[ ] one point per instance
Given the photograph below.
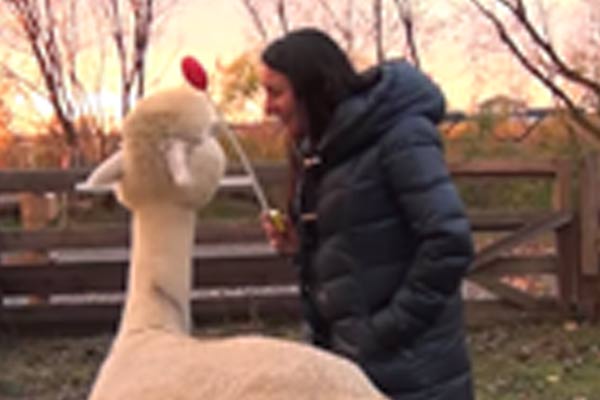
(496, 261)
(588, 273)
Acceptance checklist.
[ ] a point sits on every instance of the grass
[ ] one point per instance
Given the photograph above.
(49, 369)
(525, 361)
(552, 361)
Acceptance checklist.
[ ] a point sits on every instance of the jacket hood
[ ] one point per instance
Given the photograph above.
(400, 92)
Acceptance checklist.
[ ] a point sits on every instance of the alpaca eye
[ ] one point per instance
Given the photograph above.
(215, 129)
(198, 141)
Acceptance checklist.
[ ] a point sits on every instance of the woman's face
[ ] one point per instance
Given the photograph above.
(280, 99)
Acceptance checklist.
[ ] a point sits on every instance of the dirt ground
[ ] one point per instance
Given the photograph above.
(518, 361)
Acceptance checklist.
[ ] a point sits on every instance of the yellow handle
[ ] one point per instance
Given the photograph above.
(277, 219)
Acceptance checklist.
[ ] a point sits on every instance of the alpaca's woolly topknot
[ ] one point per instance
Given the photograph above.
(176, 114)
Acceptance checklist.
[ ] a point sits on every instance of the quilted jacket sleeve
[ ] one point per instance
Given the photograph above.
(414, 166)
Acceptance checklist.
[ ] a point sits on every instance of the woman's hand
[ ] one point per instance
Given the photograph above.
(280, 232)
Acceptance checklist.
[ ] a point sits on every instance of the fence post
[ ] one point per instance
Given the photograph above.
(568, 260)
(34, 210)
(561, 197)
(589, 186)
(567, 240)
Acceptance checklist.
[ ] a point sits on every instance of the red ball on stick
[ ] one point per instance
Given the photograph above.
(194, 72)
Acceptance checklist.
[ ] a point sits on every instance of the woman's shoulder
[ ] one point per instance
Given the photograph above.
(412, 130)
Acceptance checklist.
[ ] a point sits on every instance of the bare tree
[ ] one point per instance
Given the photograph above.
(341, 22)
(378, 30)
(282, 15)
(375, 27)
(585, 52)
(257, 19)
(57, 33)
(406, 16)
(262, 20)
(131, 43)
(40, 25)
(533, 48)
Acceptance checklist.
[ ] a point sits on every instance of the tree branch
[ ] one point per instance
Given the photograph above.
(378, 29)
(520, 12)
(281, 14)
(345, 31)
(578, 115)
(256, 19)
(406, 17)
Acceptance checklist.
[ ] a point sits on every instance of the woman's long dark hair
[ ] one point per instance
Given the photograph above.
(321, 76)
(319, 71)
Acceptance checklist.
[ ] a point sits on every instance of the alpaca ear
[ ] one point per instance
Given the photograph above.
(105, 175)
(178, 162)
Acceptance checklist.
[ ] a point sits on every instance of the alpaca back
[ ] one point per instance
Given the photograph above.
(163, 366)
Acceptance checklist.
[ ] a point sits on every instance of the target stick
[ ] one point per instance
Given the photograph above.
(196, 76)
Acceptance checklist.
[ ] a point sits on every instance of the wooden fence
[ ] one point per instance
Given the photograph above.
(77, 279)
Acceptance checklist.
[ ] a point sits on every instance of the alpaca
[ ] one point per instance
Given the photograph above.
(169, 167)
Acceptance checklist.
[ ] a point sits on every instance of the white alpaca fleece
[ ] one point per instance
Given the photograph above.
(170, 167)
(156, 365)
(157, 123)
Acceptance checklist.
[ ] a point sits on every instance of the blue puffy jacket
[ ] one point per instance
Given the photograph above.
(385, 242)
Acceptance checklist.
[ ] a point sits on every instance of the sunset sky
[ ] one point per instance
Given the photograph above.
(211, 30)
(219, 30)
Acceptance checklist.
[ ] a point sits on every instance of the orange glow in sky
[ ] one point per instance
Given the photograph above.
(210, 30)
(215, 30)
(220, 30)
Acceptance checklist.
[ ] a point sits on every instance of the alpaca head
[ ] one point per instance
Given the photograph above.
(169, 153)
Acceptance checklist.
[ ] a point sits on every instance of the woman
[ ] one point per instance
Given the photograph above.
(375, 224)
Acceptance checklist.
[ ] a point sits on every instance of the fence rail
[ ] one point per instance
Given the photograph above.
(236, 274)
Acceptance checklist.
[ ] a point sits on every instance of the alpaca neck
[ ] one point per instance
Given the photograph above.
(158, 296)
